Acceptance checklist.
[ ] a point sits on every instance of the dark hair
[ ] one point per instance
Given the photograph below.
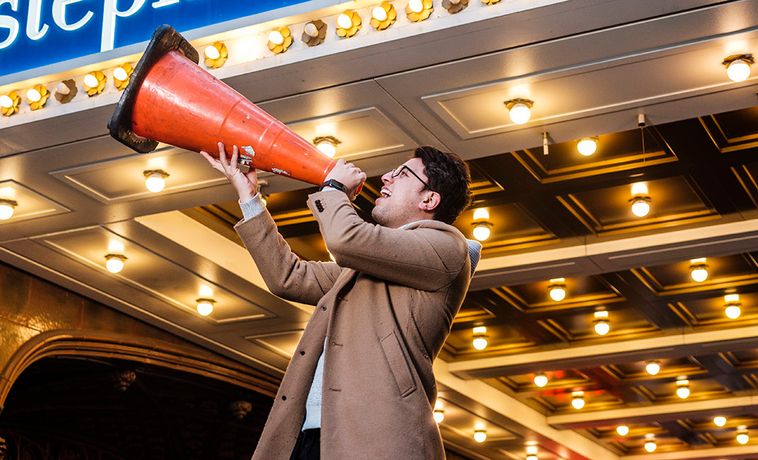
(449, 176)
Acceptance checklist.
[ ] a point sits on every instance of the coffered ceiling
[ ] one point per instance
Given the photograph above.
(590, 67)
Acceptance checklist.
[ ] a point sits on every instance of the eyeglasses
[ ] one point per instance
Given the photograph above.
(401, 171)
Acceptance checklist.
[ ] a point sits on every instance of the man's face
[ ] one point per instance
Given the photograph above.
(401, 196)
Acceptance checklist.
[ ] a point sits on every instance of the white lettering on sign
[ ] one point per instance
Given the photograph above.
(110, 12)
(10, 23)
(162, 3)
(59, 15)
(33, 30)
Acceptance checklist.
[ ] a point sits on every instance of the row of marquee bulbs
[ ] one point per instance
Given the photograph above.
(115, 262)
(520, 109)
(743, 437)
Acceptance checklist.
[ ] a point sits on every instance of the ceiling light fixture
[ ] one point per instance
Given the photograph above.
(519, 110)
(601, 322)
(7, 208)
(383, 16)
(531, 449)
(738, 66)
(37, 97)
(65, 91)
(280, 40)
(115, 262)
(482, 226)
(622, 430)
(698, 270)
(419, 10)
(155, 179)
(650, 444)
(532, 457)
(640, 200)
(732, 309)
(587, 146)
(10, 103)
(682, 387)
(719, 421)
(577, 400)
(653, 367)
(215, 55)
(480, 435)
(327, 145)
(121, 75)
(557, 289)
(439, 415)
(94, 83)
(205, 306)
(480, 337)
(348, 24)
(314, 33)
(742, 435)
(540, 380)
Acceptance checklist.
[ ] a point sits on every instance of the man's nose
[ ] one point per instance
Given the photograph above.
(387, 177)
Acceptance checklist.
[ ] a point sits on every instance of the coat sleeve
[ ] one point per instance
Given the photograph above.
(284, 273)
(421, 258)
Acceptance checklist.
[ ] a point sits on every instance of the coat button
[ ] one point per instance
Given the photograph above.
(284, 398)
(302, 353)
(319, 206)
(323, 308)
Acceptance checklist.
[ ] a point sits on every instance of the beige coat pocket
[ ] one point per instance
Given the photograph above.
(398, 364)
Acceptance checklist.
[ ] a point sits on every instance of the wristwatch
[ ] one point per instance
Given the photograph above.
(334, 184)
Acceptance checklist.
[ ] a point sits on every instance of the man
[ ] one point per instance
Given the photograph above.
(360, 383)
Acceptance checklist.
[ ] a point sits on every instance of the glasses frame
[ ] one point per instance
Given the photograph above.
(397, 171)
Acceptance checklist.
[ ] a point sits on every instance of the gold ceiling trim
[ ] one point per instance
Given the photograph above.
(749, 179)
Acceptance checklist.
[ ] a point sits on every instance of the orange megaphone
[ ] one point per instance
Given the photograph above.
(171, 99)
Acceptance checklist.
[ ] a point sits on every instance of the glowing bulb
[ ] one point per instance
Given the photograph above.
(481, 214)
(520, 113)
(6, 102)
(640, 207)
(90, 80)
(416, 6)
(276, 37)
(653, 367)
(311, 29)
(738, 70)
(482, 231)
(650, 446)
(532, 457)
(120, 74)
(327, 148)
(155, 181)
(557, 289)
(439, 415)
(480, 436)
(7, 208)
(480, 337)
(540, 380)
(33, 95)
(602, 327)
(379, 13)
(698, 270)
(205, 306)
(212, 52)
(742, 436)
(115, 262)
(622, 430)
(586, 146)
(577, 400)
(719, 420)
(732, 310)
(683, 388)
(344, 21)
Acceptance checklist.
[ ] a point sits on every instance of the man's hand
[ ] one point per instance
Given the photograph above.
(348, 175)
(245, 184)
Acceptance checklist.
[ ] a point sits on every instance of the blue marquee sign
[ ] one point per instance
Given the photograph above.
(39, 33)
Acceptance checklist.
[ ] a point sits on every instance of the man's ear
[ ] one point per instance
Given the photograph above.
(430, 201)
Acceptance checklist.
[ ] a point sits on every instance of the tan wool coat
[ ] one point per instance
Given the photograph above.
(385, 309)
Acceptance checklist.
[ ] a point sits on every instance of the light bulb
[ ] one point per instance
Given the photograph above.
(653, 367)
(683, 388)
(212, 52)
(640, 207)
(379, 13)
(520, 113)
(344, 21)
(650, 446)
(743, 438)
(90, 80)
(481, 214)
(6, 102)
(557, 289)
(540, 380)
(327, 148)
(698, 270)
(416, 6)
(482, 231)
(115, 262)
(532, 457)
(33, 95)
(205, 306)
(719, 420)
(311, 29)
(439, 415)
(586, 146)
(480, 337)
(577, 400)
(738, 70)
(155, 180)
(480, 436)
(7, 208)
(120, 74)
(732, 311)
(602, 327)
(622, 430)
(276, 37)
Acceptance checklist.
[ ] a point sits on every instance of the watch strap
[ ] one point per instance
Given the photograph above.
(334, 184)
